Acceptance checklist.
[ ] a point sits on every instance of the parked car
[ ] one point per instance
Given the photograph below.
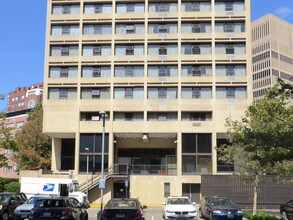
(23, 211)
(123, 208)
(213, 207)
(8, 202)
(58, 208)
(179, 207)
(286, 210)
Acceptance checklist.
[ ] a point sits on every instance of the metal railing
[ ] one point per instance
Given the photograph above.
(115, 170)
(147, 169)
(125, 170)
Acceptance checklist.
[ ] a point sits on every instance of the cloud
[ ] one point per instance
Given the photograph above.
(284, 12)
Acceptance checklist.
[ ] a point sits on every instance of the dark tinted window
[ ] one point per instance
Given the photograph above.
(123, 204)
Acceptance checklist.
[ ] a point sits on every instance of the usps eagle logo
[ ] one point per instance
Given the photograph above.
(49, 187)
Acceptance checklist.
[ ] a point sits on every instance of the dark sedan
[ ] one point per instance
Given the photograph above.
(58, 208)
(286, 210)
(213, 208)
(130, 209)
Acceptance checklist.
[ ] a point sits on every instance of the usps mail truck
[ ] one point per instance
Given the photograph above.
(52, 186)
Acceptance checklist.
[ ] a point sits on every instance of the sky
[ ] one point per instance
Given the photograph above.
(22, 38)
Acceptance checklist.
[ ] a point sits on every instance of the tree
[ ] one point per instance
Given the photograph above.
(34, 147)
(6, 140)
(262, 142)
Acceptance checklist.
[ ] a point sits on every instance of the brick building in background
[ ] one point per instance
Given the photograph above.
(20, 102)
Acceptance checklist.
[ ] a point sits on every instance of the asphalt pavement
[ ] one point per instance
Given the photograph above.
(154, 213)
(150, 213)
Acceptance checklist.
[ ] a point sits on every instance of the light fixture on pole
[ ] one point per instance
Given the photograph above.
(87, 173)
(103, 115)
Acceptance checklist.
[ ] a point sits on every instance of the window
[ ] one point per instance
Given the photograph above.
(130, 29)
(128, 71)
(129, 50)
(229, 49)
(97, 72)
(95, 93)
(63, 94)
(162, 7)
(66, 9)
(196, 71)
(229, 27)
(128, 93)
(163, 71)
(64, 51)
(195, 49)
(128, 116)
(195, 93)
(130, 8)
(198, 116)
(229, 6)
(98, 9)
(163, 50)
(97, 51)
(163, 28)
(195, 6)
(230, 93)
(66, 30)
(64, 72)
(230, 71)
(195, 28)
(98, 29)
(162, 117)
(162, 93)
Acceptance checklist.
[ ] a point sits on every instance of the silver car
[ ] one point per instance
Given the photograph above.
(23, 211)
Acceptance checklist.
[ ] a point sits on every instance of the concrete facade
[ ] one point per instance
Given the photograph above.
(167, 73)
(272, 53)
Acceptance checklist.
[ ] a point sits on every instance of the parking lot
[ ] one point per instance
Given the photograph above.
(154, 213)
(150, 214)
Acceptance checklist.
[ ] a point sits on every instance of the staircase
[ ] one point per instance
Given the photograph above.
(117, 170)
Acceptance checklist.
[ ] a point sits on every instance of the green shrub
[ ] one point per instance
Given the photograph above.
(12, 187)
(259, 216)
(247, 214)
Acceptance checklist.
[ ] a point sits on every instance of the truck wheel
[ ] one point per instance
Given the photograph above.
(5, 216)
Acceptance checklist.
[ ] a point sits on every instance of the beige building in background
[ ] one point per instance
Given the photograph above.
(272, 53)
(167, 73)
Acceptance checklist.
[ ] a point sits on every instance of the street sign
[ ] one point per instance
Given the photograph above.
(102, 183)
(126, 183)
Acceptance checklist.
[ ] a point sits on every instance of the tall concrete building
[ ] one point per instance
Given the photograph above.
(272, 53)
(166, 73)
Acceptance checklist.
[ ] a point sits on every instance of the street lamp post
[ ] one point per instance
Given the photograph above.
(103, 115)
(87, 173)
